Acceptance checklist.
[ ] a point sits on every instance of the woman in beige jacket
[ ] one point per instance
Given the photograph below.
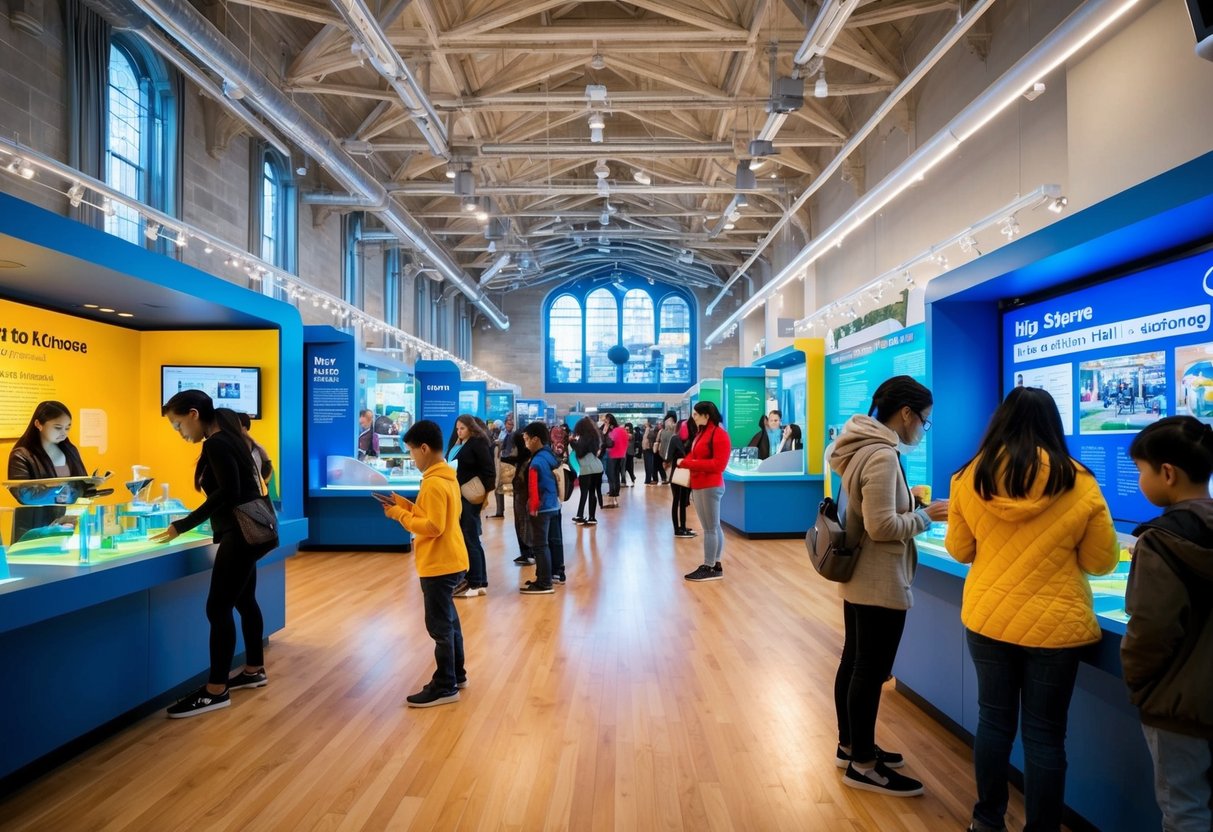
(882, 521)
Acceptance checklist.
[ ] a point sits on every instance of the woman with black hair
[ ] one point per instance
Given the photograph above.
(706, 459)
(470, 451)
(1033, 524)
(226, 475)
(584, 446)
(680, 496)
(615, 441)
(42, 452)
(882, 522)
(522, 523)
(791, 439)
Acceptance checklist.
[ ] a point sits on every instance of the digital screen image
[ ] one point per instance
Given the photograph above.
(237, 388)
(1194, 381)
(1137, 348)
(1123, 394)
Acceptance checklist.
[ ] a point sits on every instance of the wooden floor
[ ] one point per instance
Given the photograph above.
(628, 700)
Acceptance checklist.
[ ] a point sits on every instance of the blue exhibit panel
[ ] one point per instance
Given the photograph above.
(473, 398)
(499, 404)
(438, 387)
(770, 505)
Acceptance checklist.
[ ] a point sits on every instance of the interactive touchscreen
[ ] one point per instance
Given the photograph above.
(1116, 357)
(237, 388)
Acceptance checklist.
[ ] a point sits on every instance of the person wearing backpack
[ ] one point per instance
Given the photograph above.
(1167, 650)
(880, 515)
(1033, 523)
(543, 506)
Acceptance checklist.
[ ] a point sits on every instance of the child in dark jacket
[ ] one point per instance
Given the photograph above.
(1167, 651)
(543, 506)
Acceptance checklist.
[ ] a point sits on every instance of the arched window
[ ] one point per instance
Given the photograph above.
(141, 135)
(564, 340)
(272, 219)
(653, 322)
(674, 340)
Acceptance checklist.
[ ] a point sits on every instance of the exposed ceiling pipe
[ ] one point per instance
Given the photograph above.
(197, 35)
(492, 271)
(908, 83)
(373, 41)
(1084, 24)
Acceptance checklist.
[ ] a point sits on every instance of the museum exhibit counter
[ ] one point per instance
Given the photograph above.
(103, 624)
(769, 498)
(1109, 781)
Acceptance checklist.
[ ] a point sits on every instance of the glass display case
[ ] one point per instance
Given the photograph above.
(1107, 591)
(744, 462)
(390, 395)
(344, 473)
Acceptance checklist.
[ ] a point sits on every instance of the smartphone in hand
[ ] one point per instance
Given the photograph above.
(383, 499)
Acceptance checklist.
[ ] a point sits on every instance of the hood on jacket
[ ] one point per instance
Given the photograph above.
(1021, 509)
(860, 432)
(441, 470)
(1190, 524)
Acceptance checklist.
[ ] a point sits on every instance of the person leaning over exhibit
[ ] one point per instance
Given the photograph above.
(225, 474)
(706, 459)
(44, 451)
(1033, 524)
(880, 515)
(469, 451)
(368, 440)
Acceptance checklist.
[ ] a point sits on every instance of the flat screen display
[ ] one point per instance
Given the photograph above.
(237, 388)
(1118, 356)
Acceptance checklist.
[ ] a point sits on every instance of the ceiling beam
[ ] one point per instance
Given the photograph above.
(505, 14)
(511, 78)
(685, 13)
(303, 11)
(660, 73)
(899, 11)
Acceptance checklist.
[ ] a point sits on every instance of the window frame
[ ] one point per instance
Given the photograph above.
(658, 293)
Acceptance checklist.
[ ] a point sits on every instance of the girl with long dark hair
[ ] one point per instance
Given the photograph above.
(680, 496)
(706, 459)
(471, 452)
(226, 474)
(584, 445)
(1033, 524)
(44, 451)
(881, 516)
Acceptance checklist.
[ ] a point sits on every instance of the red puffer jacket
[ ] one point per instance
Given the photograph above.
(708, 457)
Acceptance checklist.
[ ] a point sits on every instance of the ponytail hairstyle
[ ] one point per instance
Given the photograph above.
(896, 393)
(705, 408)
(227, 420)
(1025, 426)
(31, 439)
(1184, 442)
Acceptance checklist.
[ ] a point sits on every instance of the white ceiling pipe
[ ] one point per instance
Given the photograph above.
(491, 272)
(1087, 22)
(908, 83)
(435, 188)
(197, 35)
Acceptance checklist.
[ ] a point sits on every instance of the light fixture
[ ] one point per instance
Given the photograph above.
(942, 261)
(597, 122)
(729, 226)
(1058, 205)
(1035, 91)
(601, 170)
(450, 173)
(597, 62)
(968, 244)
(596, 135)
(686, 257)
(603, 188)
(75, 195)
(1010, 228)
(604, 218)
(107, 207)
(208, 248)
(125, 315)
(104, 309)
(596, 92)
(482, 210)
(821, 89)
(26, 171)
(642, 178)
(465, 185)
(91, 306)
(152, 231)
(232, 90)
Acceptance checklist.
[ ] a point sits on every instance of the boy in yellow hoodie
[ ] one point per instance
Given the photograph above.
(442, 558)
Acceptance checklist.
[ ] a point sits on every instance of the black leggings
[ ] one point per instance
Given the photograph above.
(873, 635)
(234, 586)
(591, 487)
(678, 507)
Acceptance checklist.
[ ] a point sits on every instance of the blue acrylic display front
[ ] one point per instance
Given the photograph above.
(1118, 356)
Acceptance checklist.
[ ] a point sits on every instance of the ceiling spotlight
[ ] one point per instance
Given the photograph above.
(232, 90)
(603, 241)
(604, 218)
(75, 195)
(26, 171)
(469, 204)
(907, 278)
(968, 244)
(492, 246)
(597, 62)
(729, 226)
(1058, 205)
(642, 178)
(942, 261)
(756, 164)
(107, 207)
(596, 135)
(152, 232)
(604, 189)
(1035, 91)
(450, 173)
(208, 248)
(821, 89)
(302, 169)
(1010, 228)
(597, 122)
(686, 257)
(601, 170)
(596, 92)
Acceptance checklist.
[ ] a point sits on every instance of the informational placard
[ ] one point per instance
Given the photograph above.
(745, 402)
(236, 388)
(499, 404)
(852, 376)
(331, 408)
(1118, 356)
(438, 387)
(472, 396)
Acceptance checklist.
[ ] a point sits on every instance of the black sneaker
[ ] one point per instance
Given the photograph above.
(882, 780)
(461, 683)
(704, 573)
(244, 679)
(429, 696)
(559, 578)
(890, 758)
(523, 560)
(978, 826)
(199, 702)
(579, 521)
(460, 589)
(591, 522)
(684, 533)
(718, 569)
(536, 588)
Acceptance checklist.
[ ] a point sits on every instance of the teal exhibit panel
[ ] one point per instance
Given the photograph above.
(473, 399)
(744, 392)
(342, 475)
(499, 404)
(1104, 310)
(105, 623)
(529, 410)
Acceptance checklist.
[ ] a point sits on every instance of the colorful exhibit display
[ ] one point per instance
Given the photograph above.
(1117, 356)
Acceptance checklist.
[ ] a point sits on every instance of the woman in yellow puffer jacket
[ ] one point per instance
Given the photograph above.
(1033, 524)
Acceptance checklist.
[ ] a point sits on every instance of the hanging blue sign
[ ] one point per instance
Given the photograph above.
(438, 387)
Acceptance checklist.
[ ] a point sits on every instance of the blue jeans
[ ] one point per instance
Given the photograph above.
(442, 623)
(1037, 682)
(707, 507)
(1183, 779)
(469, 524)
(547, 546)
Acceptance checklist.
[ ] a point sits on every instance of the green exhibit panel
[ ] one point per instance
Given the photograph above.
(744, 393)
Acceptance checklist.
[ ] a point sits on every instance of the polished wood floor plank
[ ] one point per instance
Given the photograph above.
(629, 700)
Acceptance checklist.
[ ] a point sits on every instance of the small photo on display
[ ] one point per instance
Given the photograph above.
(1194, 382)
(1122, 394)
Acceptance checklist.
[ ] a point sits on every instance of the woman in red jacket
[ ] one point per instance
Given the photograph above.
(706, 460)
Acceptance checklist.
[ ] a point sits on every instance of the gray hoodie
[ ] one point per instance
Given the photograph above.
(1167, 651)
(880, 513)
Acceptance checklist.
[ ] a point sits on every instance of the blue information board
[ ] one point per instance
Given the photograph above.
(499, 404)
(1118, 356)
(332, 424)
(438, 387)
(852, 376)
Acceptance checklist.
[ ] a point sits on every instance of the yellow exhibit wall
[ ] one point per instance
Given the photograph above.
(170, 457)
(109, 377)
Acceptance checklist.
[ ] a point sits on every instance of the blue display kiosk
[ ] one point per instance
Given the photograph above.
(110, 639)
(1110, 774)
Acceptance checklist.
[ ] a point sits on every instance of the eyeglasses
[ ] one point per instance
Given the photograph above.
(926, 423)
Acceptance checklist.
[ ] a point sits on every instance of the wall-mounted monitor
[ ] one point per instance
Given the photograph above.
(1201, 12)
(237, 388)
